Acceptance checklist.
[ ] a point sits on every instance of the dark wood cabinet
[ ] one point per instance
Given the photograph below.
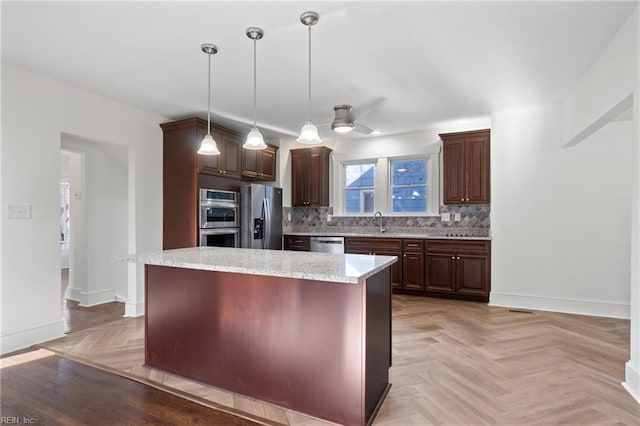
(458, 267)
(297, 242)
(227, 164)
(413, 264)
(260, 164)
(310, 176)
(466, 167)
(382, 247)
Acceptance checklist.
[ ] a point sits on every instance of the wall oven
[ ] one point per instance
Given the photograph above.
(219, 218)
(219, 209)
(220, 237)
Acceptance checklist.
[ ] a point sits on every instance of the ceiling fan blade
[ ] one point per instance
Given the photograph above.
(361, 128)
(368, 107)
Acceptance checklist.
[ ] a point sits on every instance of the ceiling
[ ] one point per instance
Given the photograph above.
(403, 66)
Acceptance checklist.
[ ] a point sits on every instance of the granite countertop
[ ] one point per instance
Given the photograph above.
(343, 268)
(448, 236)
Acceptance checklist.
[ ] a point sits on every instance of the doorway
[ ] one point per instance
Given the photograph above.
(93, 227)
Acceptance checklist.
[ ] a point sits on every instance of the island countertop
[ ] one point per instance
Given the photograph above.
(343, 268)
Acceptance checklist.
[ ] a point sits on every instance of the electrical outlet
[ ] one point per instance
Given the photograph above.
(445, 217)
(19, 211)
(329, 218)
(456, 217)
(289, 217)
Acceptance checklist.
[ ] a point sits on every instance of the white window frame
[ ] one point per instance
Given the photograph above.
(382, 189)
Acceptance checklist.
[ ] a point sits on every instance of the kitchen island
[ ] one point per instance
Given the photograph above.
(310, 332)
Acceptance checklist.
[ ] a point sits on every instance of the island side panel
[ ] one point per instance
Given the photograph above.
(378, 340)
(295, 343)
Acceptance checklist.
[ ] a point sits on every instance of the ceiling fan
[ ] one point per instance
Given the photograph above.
(345, 122)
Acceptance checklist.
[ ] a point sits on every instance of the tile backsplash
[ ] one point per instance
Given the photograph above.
(474, 222)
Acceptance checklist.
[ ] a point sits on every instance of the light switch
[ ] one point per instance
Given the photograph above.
(16, 211)
(445, 217)
(329, 218)
(456, 217)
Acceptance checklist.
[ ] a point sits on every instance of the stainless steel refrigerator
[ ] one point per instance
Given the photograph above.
(261, 217)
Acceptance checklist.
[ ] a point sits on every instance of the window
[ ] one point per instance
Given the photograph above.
(409, 186)
(359, 189)
(64, 215)
(402, 185)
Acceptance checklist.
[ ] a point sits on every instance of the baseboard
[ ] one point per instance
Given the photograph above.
(632, 381)
(91, 298)
(134, 309)
(21, 339)
(569, 306)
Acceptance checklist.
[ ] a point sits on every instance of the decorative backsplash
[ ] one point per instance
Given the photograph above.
(474, 222)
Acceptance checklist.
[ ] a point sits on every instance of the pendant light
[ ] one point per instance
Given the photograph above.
(309, 133)
(254, 138)
(208, 146)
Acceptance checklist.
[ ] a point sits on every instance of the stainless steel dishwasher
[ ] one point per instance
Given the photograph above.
(327, 244)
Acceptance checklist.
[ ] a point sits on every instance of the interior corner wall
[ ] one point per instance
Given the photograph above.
(560, 217)
(35, 112)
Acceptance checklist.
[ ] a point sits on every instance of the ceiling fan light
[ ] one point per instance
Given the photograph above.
(309, 134)
(208, 146)
(254, 140)
(342, 127)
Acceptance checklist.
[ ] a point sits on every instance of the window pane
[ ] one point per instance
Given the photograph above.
(409, 172)
(359, 200)
(358, 175)
(412, 199)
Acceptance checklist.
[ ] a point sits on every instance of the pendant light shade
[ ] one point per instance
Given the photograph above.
(309, 133)
(208, 146)
(254, 138)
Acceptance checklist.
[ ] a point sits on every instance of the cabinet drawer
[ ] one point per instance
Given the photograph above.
(372, 245)
(297, 243)
(458, 246)
(413, 246)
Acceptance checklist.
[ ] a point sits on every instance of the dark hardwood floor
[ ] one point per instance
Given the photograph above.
(78, 317)
(49, 390)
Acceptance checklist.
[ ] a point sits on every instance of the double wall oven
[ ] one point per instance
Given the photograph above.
(219, 218)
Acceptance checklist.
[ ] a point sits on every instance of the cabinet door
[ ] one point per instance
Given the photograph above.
(212, 164)
(413, 271)
(471, 275)
(396, 268)
(440, 273)
(230, 157)
(454, 173)
(267, 164)
(250, 163)
(315, 175)
(299, 179)
(477, 166)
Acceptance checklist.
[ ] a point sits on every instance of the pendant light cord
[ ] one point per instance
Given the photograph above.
(209, 98)
(309, 103)
(254, 84)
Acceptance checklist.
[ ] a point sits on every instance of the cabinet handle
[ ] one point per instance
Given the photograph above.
(405, 255)
(453, 257)
(458, 257)
(467, 199)
(461, 199)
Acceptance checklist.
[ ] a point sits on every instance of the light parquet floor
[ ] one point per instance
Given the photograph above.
(454, 363)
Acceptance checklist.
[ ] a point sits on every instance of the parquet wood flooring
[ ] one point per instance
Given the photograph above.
(42, 388)
(454, 363)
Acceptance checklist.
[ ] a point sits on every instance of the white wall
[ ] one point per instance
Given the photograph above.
(36, 111)
(102, 226)
(559, 216)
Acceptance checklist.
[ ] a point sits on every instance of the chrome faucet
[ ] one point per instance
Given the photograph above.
(381, 229)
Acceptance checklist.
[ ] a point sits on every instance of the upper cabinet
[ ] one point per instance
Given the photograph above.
(466, 167)
(310, 176)
(260, 164)
(227, 164)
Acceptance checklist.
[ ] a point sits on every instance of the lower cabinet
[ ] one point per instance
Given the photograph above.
(382, 247)
(297, 242)
(458, 267)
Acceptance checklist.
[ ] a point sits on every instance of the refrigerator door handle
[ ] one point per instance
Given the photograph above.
(267, 222)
